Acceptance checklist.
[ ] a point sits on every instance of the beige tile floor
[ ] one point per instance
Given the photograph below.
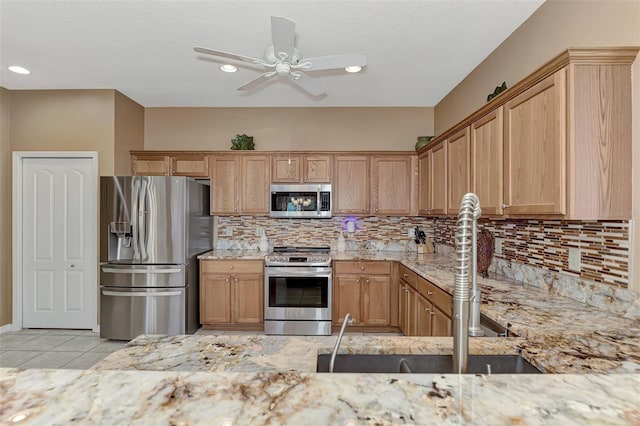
(54, 348)
(77, 349)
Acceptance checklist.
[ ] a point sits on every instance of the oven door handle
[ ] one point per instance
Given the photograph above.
(298, 272)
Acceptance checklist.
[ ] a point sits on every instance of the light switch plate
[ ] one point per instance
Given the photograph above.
(498, 248)
(575, 258)
(411, 232)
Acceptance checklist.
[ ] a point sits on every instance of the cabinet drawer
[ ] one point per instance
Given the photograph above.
(232, 266)
(371, 268)
(408, 276)
(436, 295)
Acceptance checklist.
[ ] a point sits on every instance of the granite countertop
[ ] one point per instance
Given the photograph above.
(257, 379)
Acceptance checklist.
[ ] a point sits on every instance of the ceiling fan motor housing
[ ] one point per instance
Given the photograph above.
(271, 57)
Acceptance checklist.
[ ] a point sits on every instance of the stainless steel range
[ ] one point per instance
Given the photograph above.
(298, 287)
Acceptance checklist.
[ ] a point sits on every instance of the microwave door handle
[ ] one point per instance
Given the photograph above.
(135, 194)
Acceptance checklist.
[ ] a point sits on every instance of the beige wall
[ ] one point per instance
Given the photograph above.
(296, 129)
(64, 120)
(555, 26)
(129, 132)
(5, 209)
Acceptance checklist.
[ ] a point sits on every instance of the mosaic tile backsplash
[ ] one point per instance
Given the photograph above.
(544, 244)
(371, 233)
(540, 244)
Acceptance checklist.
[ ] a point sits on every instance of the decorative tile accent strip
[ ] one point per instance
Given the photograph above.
(371, 233)
(545, 244)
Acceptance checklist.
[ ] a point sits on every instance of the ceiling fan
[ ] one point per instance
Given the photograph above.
(284, 60)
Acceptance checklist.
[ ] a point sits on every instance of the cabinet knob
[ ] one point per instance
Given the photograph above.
(505, 206)
(367, 281)
(406, 290)
(236, 279)
(427, 310)
(362, 267)
(433, 313)
(230, 266)
(226, 280)
(429, 293)
(358, 281)
(405, 275)
(376, 210)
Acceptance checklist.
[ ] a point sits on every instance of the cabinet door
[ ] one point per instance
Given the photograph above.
(316, 169)
(487, 162)
(351, 189)
(346, 298)
(190, 165)
(149, 165)
(439, 178)
(424, 188)
(423, 316)
(458, 172)
(535, 149)
(377, 294)
(285, 169)
(391, 179)
(441, 324)
(255, 184)
(248, 298)
(412, 311)
(224, 193)
(215, 299)
(403, 294)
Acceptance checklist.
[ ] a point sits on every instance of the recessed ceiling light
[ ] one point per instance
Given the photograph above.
(228, 68)
(19, 70)
(353, 68)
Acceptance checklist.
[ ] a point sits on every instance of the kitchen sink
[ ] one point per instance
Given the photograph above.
(438, 364)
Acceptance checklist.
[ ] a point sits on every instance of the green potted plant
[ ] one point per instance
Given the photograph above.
(242, 142)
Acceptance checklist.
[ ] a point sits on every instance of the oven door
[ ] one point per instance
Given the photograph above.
(298, 293)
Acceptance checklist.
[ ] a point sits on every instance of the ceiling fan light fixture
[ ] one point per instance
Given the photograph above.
(228, 68)
(19, 70)
(353, 68)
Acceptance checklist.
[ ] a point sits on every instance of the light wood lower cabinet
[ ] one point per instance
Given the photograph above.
(424, 308)
(363, 289)
(231, 292)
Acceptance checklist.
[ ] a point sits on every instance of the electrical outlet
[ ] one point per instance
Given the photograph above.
(228, 232)
(575, 258)
(411, 232)
(259, 231)
(498, 248)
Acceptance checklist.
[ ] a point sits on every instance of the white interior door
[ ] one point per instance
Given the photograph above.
(58, 243)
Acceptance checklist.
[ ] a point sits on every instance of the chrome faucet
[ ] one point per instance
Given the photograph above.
(347, 319)
(463, 295)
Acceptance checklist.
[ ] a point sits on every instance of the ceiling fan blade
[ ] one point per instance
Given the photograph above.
(228, 55)
(333, 62)
(307, 83)
(256, 81)
(282, 33)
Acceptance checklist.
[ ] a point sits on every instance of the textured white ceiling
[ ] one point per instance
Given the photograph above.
(417, 51)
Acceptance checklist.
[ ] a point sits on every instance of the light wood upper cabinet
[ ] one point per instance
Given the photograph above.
(224, 184)
(424, 187)
(458, 173)
(351, 185)
(432, 171)
(438, 178)
(392, 183)
(301, 169)
(150, 165)
(487, 162)
(535, 148)
(190, 165)
(255, 184)
(285, 169)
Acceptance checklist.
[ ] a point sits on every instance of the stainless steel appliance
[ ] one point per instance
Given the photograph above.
(152, 228)
(298, 288)
(301, 201)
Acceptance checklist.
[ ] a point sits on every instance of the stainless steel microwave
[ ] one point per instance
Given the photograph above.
(300, 201)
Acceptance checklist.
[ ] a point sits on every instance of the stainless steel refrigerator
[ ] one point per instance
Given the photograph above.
(152, 228)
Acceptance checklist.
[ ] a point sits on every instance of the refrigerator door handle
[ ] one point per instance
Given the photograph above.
(142, 221)
(141, 293)
(134, 217)
(142, 271)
